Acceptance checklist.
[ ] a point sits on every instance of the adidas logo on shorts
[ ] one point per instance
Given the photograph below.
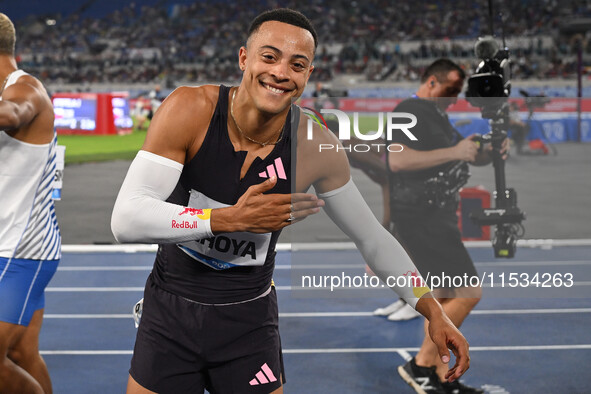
(265, 375)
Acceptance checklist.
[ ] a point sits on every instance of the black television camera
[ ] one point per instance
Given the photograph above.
(533, 102)
(490, 85)
(488, 89)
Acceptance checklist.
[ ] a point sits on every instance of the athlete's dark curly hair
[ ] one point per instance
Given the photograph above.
(284, 15)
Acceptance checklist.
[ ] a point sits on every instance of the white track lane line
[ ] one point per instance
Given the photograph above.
(334, 314)
(401, 351)
(360, 265)
(278, 288)
(319, 246)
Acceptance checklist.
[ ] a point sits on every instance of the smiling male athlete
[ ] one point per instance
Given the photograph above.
(210, 318)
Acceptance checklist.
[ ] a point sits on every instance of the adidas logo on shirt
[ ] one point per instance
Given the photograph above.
(273, 170)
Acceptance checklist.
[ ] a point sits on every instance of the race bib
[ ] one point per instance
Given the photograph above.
(225, 250)
(60, 153)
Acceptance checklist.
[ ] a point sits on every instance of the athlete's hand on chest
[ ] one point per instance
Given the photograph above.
(257, 212)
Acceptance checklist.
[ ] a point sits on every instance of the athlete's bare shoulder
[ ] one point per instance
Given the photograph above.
(190, 98)
(27, 88)
(181, 122)
(30, 80)
(321, 159)
(28, 112)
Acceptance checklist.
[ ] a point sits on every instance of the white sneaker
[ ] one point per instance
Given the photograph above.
(405, 313)
(138, 308)
(386, 311)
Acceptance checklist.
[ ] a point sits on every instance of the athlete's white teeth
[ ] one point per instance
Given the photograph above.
(274, 90)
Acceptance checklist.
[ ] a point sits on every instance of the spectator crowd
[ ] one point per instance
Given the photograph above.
(198, 41)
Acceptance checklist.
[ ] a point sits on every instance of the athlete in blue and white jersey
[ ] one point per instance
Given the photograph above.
(30, 241)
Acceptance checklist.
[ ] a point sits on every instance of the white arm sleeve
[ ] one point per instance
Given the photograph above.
(141, 213)
(382, 252)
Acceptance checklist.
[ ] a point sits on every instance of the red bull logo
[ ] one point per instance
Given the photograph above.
(419, 286)
(416, 279)
(200, 213)
(191, 211)
(185, 224)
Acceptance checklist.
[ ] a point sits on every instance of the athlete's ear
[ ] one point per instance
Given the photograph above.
(309, 73)
(242, 58)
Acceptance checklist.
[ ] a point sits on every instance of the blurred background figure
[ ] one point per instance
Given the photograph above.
(30, 241)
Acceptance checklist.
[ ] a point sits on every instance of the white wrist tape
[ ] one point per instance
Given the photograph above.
(382, 252)
(141, 213)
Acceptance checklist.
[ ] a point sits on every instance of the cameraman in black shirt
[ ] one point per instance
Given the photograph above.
(423, 210)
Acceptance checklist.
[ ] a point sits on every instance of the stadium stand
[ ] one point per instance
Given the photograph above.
(180, 41)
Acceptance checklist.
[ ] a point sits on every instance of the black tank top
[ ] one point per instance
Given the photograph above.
(220, 269)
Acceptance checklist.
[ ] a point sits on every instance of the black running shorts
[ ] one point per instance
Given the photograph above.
(185, 347)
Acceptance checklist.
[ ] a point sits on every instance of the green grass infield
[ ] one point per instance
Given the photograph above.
(92, 148)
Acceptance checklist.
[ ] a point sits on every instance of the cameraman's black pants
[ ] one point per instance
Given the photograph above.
(432, 238)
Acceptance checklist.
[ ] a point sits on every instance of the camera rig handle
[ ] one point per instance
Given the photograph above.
(488, 89)
(506, 216)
